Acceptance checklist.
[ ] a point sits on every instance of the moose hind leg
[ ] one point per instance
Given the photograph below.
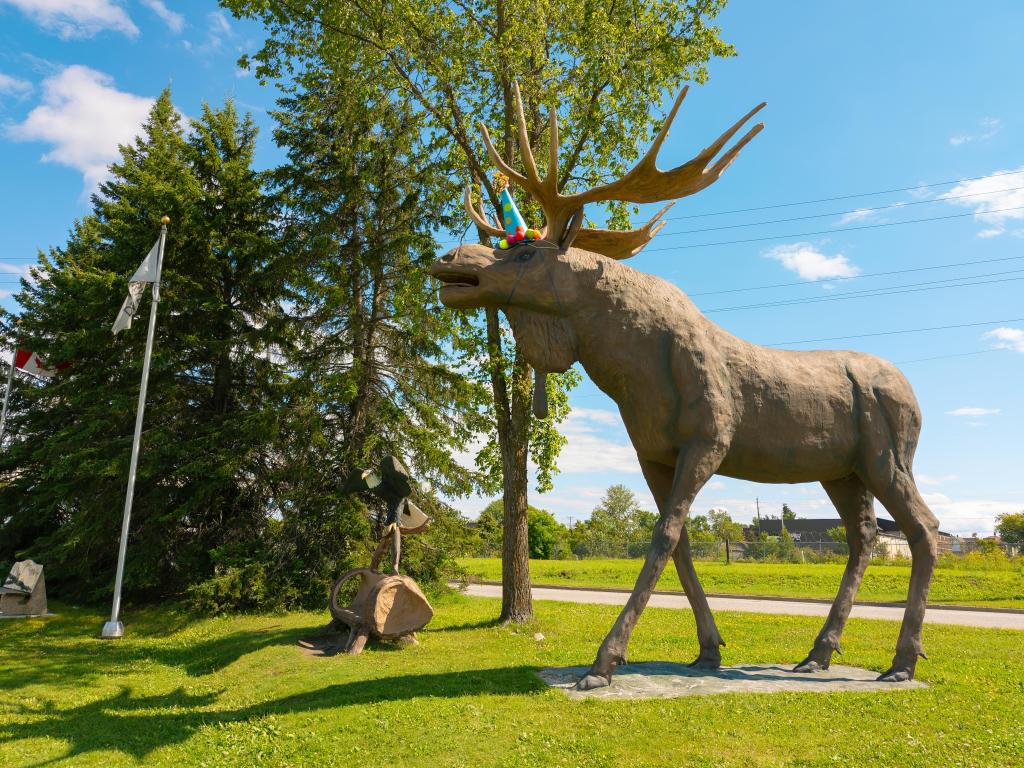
(659, 479)
(856, 507)
(710, 656)
(693, 469)
(920, 526)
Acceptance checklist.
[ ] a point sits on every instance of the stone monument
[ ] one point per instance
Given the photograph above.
(24, 591)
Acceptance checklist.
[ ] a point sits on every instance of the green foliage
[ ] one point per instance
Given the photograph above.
(232, 590)
(723, 527)
(547, 537)
(838, 534)
(617, 526)
(1010, 527)
(787, 513)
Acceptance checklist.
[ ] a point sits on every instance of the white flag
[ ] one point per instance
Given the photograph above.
(146, 273)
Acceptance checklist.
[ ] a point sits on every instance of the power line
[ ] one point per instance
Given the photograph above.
(828, 231)
(933, 285)
(894, 333)
(857, 277)
(850, 197)
(944, 357)
(839, 213)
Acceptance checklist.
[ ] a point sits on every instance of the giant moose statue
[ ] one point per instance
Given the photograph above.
(697, 401)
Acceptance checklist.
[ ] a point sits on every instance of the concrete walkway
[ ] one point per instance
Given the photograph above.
(966, 618)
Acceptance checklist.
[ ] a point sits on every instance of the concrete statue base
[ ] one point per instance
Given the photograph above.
(666, 680)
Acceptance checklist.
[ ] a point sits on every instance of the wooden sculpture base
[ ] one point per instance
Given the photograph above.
(386, 607)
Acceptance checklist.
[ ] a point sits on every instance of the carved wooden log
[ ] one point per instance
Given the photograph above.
(386, 607)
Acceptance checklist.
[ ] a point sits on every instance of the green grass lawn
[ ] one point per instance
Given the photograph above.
(993, 588)
(237, 691)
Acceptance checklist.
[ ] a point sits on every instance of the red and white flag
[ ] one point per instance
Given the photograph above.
(30, 363)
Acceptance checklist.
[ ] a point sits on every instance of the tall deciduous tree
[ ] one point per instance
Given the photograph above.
(1010, 527)
(601, 64)
(725, 529)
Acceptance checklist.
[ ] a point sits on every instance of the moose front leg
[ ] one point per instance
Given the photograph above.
(659, 480)
(694, 468)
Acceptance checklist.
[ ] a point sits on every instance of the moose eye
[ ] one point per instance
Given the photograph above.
(525, 253)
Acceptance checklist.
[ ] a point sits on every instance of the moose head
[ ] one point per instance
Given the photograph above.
(526, 275)
(539, 284)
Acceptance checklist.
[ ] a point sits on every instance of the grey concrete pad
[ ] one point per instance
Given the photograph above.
(666, 680)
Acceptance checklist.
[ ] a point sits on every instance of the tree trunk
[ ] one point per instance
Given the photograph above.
(512, 410)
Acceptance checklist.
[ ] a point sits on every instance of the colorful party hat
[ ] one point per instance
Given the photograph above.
(515, 225)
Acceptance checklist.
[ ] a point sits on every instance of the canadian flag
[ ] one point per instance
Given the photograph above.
(30, 363)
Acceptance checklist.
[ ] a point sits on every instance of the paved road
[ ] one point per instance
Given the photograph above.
(969, 618)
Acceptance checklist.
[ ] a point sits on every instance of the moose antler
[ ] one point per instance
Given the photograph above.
(643, 184)
(478, 217)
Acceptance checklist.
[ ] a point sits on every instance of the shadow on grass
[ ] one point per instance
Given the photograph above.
(72, 650)
(470, 625)
(137, 725)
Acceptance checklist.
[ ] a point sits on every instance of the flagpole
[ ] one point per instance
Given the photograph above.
(7, 394)
(114, 627)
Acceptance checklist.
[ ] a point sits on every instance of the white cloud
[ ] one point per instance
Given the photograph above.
(218, 28)
(219, 23)
(14, 85)
(1007, 338)
(926, 479)
(967, 516)
(990, 197)
(970, 411)
(810, 263)
(987, 128)
(856, 215)
(588, 451)
(174, 21)
(76, 18)
(84, 117)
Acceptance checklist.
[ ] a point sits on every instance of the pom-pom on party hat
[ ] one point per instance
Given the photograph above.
(515, 225)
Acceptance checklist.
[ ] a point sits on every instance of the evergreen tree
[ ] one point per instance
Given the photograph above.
(202, 491)
(374, 355)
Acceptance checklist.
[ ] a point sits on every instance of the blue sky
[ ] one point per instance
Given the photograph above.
(906, 96)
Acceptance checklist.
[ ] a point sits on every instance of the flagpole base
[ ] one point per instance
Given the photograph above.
(112, 630)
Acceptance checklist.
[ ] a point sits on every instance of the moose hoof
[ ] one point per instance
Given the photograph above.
(810, 665)
(592, 681)
(896, 675)
(708, 659)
